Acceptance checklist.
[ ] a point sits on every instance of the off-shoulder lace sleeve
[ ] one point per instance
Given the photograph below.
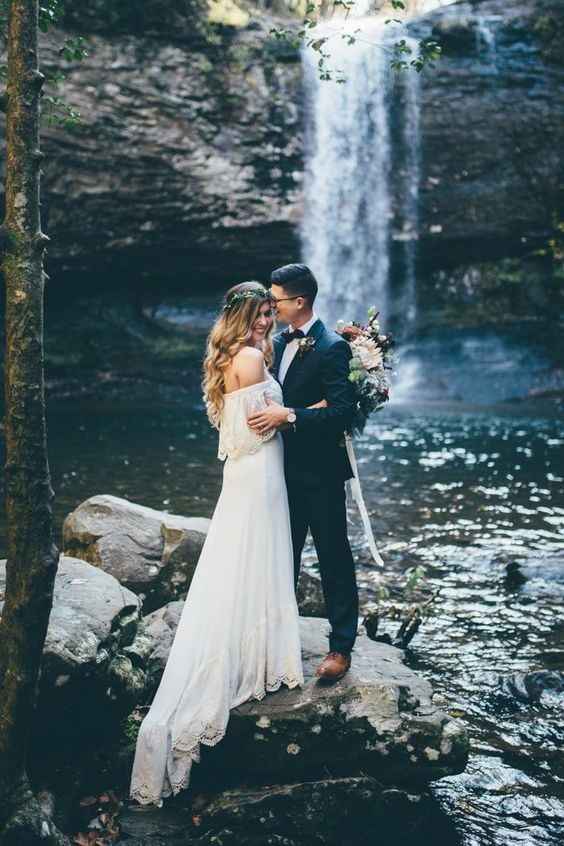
(236, 438)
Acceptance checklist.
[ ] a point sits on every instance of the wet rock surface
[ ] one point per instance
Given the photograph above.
(352, 810)
(368, 746)
(376, 733)
(542, 687)
(536, 574)
(187, 156)
(379, 719)
(311, 601)
(153, 642)
(355, 753)
(478, 197)
(86, 683)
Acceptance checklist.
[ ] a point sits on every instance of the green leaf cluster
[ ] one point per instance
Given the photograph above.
(54, 109)
(404, 57)
(50, 14)
(414, 577)
(428, 52)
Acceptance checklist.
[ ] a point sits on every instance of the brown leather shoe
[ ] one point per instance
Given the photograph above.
(333, 667)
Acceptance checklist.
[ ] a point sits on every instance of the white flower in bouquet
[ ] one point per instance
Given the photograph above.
(369, 366)
(366, 350)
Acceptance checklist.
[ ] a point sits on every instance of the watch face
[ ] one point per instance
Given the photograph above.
(291, 417)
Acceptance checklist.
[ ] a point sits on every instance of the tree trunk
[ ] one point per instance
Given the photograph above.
(32, 555)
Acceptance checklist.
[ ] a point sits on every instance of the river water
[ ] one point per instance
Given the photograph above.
(459, 489)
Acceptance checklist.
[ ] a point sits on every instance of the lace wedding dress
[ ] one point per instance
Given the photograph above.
(238, 635)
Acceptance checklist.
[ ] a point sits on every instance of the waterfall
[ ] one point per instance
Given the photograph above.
(410, 169)
(349, 191)
(486, 39)
(346, 225)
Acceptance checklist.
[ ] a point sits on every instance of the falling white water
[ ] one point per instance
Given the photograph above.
(486, 39)
(349, 202)
(410, 168)
(346, 226)
(362, 184)
(346, 229)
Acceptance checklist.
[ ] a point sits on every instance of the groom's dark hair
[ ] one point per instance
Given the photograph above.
(297, 280)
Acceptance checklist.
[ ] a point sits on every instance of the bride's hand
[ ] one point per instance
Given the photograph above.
(321, 404)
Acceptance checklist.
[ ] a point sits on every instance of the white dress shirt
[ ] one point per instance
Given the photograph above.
(292, 348)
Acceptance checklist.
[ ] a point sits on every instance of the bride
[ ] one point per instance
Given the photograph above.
(238, 635)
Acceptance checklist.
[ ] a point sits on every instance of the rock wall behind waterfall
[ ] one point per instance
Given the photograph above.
(189, 162)
(492, 125)
(491, 192)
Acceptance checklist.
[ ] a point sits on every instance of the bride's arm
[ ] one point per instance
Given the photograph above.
(321, 404)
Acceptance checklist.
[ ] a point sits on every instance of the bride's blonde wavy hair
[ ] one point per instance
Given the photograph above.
(230, 332)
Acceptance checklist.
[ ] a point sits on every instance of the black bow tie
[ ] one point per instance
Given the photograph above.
(291, 336)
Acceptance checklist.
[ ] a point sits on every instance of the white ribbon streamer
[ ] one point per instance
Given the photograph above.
(356, 492)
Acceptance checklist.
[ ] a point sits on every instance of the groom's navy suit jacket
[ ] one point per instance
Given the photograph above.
(315, 452)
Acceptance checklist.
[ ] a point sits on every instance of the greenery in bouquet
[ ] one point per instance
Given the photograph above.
(370, 366)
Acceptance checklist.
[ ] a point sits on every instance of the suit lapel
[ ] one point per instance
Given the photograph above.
(299, 362)
(316, 330)
(279, 347)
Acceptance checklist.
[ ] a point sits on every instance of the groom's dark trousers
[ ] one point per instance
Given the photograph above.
(316, 467)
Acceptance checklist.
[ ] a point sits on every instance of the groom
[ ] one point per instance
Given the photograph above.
(312, 364)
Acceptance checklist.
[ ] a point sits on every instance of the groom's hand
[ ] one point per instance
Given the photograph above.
(269, 418)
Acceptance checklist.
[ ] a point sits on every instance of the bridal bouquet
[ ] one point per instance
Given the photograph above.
(370, 366)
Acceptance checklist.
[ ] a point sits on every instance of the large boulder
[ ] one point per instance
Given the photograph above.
(151, 552)
(378, 720)
(87, 684)
(309, 594)
(542, 687)
(153, 641)
(352, 810)
(536, 573)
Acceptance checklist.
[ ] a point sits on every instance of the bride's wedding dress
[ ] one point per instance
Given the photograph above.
(238, 635)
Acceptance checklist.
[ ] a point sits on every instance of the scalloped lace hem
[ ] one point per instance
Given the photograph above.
(210, 735)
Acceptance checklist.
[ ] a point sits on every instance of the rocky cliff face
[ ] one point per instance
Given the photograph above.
(492, 133)
(189, 161)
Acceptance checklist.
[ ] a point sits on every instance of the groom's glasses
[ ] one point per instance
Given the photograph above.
(277, 300)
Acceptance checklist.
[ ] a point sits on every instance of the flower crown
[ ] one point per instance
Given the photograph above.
(237, 298)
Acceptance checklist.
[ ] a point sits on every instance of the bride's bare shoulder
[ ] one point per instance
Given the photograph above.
(246, 354)
(248, 366)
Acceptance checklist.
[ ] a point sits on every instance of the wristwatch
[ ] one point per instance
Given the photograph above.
(291, 418)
